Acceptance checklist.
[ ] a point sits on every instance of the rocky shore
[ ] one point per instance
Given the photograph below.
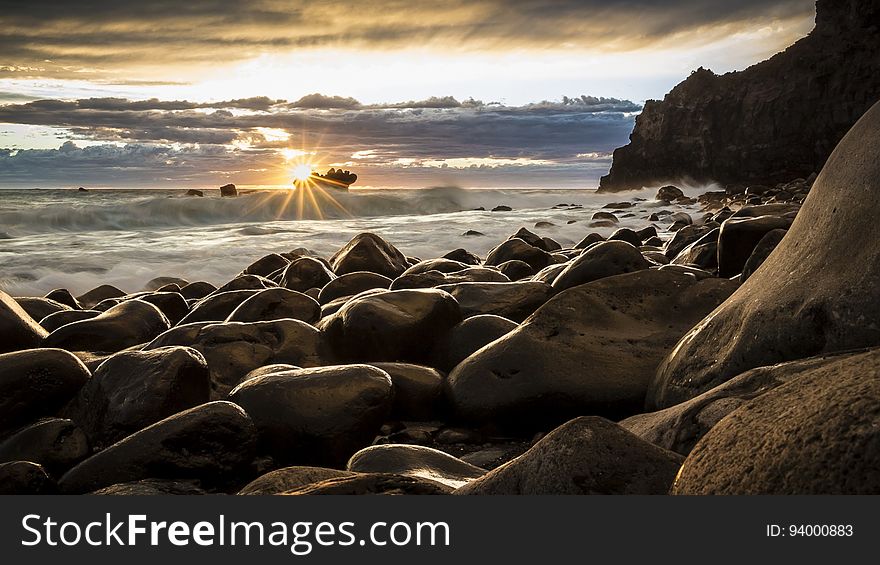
(724, 352)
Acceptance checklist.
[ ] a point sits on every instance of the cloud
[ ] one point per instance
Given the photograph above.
(410, 142)
(94, 38)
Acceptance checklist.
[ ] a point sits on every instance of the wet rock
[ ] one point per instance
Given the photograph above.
(816, 293)
(603, 260)
(702, 253)
(54, 321)
(290, 478)
(38, 308)
(531, 238)
(463, 256)
(128, 323)
(551, 244)
(320, 415)
(518, 249)
(467, 337)
(441, 265)
(25, 477)
(213, 442)
(431, 279)
(158, 283)
(18, 329)
(305, 273)
(740, 236)
(589, 240)
(627, 235)
(516, 270)
(217, 307)
(228, 190)
(172, 304)
(591, 349)
(103, 292)
(233, 349)
(605, 216)
(56, 444)
(133, 389)
(684, 237)
(473, 233)
(350, 284)
(398, 325)
(63, 296)
(245, 282)
(369, 252)
(373, 483)
(816, 434)
(415, 461)
(763, 250)
(36, 383)
(513, 300)
(669, 194)
(266, 265)
(197, 290)
(549, 273)
(587, 455)
(678, 428)
(618, 205)
(194, 192)
(275, 304)
(152, 487)
(418, 391)
(502, 208)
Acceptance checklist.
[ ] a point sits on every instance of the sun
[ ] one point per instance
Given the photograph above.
(302, 172)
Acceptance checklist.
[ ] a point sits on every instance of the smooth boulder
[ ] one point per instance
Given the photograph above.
(369, 252)
(467, 337)
(513, 300)
(604, 259)
(290, 478)
(277, 304)
(350, 284)
(128, 323)
(18, 329)
(55, 443)
(414, 461)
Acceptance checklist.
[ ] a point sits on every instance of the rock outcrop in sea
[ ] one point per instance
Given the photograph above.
(772, 123)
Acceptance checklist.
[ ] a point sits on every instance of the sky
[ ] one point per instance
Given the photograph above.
(472, 93)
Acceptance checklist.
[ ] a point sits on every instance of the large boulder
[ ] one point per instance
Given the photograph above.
(133, 389)
(304, 273)
(369, 252)
(398, 325)
(588, 455)
(233, 349)
(467, 337)
(415, 461)
(277, 304)
(739, 237)
(513, 300)
(172, 304)
(816, 434)
(816, 293)
(129, 323)
(36, 383)
(217, 306)
(38, 307)
(604, 259)
(54, 321)
(321, 415)
(213, 442)
(373, 484)
(591, 349)
(55, 443)
(18, 329)
(517, 249)
(350, 284)
(290, 478)
(430, 279)
(25, 477)
(418, 391)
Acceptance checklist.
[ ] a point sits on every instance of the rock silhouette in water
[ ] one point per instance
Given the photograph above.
(228, 190)
(773, 122)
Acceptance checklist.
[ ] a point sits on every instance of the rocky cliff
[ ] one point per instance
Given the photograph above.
(773, 122)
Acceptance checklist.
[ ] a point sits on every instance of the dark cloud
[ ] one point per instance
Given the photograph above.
(410, 142)
(88, 37)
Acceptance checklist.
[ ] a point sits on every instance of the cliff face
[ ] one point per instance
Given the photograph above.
(773, 122)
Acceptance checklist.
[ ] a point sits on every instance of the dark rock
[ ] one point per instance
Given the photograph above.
(133, 389)
(516, 270)
(369, 252)
(627, 235)
(228, 190)
(440, 265)
(217, 307)
(418, 391)
(233, 349)
(63, 296)
(415, 461)
(129, 323)
(532, 239)
(763, 250)
(152, 487)
(551, 244)
(245, 282)
(350, 284)
(97, 294)
(305, 273)
(519, 249)
(54, 321)
(549, 273)
(589, 240)
(513, 300)
(54, 443)
(463, 256)
(545, 224)
(619, 205)
(816, 293)
(194, 192)
(320, 415)
(702, 253)
(605, 216)
(646, 234)
(816, 434)
(172, 304)
(773, 122)
(373, 483)
(25, 477)
(473, 233)
(696, 272)
(290, 478)
(684, 237)
(197, 290)
(605, 259)
(502, 208)
(158, 284)
(591, 349)
(18, 329)
(266, 265)
(467, 337)
(398, 325)
(275, 304)
(431, 279)
(334, 305)
(38, 307)
(37, 382)
(669, 194)
(740, 236)
(213, 442)
(587, 455)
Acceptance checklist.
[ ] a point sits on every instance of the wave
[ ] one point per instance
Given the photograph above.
(34, 212)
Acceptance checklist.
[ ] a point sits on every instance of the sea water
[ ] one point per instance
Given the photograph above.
(79, 240)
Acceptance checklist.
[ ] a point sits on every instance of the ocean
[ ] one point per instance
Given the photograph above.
(78, 240)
